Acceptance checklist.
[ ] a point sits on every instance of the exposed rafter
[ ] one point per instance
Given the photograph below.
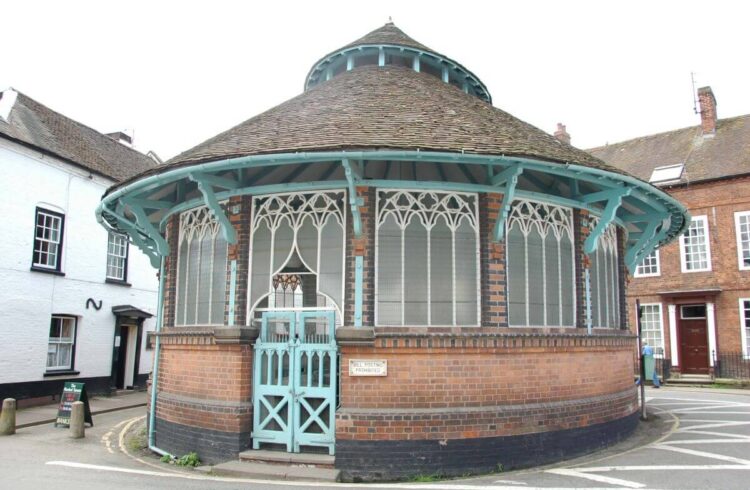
(144, 223)
(648, 233)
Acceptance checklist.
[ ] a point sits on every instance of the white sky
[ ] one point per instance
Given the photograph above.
(177, 73)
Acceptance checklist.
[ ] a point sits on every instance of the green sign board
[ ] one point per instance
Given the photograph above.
(73, 392)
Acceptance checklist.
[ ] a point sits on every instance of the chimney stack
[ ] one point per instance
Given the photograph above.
(562, 135)
(707, 102)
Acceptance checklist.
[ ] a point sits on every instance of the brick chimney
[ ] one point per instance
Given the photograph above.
(562, 135)
(707, 102)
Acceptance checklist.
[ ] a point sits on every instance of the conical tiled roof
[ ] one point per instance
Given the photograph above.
(388, 34)
(389, 107)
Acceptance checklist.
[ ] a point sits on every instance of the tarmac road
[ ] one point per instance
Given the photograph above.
(706, 449)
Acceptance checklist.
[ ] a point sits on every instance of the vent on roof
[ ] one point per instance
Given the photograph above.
(667, 173)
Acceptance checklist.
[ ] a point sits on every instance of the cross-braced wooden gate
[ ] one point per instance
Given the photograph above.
(294, 388)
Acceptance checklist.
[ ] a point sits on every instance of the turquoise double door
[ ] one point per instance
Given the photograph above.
(295, 380)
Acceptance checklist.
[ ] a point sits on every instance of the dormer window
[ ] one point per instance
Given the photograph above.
(667, 173)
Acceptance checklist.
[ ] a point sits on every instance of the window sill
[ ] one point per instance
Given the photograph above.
(47, 271)
(117, 282)
(62, 372)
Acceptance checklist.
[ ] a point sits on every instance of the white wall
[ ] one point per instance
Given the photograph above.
(27, 298)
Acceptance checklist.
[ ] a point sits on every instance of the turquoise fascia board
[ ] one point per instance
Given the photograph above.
(643, 193)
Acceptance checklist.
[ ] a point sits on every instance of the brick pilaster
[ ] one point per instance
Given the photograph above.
(492, 264)
(623, 279)
(580, 232)
(170, 271)
(239, 211)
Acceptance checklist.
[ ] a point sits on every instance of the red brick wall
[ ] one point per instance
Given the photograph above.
(718, 201)
(240, 214)
(365, 247)
(476, 380)
(202, 384)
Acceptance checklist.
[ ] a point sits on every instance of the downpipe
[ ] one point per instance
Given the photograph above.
(155, 371)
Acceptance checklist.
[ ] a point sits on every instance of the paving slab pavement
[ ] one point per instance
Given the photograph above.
(46, 414)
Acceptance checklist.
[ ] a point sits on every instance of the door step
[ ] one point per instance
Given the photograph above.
(268, 471)
(284, 458)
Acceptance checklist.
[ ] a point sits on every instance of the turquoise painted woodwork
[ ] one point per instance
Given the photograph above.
(439, 63)
(294, 380)
(614, 200)
(647, 235)
(353, 177)
(645, 204)
(508, 195)
(205, 186)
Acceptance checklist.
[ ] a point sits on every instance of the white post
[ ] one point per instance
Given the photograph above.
(711, 325)
(77, 430)
(8, 417)
(674, 348)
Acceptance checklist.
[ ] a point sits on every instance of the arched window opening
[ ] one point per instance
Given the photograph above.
(201, 270)
(427, 259)
(297, 252)
(540, 265)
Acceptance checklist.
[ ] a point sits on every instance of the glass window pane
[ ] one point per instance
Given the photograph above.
(441, 274)
(535, 266)
(415, 273)
(516, 266)
(466, 275)
(389, 272)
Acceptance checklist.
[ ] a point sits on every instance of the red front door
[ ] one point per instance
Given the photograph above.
(693, 341)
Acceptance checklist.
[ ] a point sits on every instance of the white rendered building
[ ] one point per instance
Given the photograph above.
(76, 303)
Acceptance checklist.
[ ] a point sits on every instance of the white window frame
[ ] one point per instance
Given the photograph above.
(661, 326)
(120, 259)
(740, 244)
(744, 317)
(58, 243)
(683, 247)
(657, 262)
(474, 222)
(69, 341)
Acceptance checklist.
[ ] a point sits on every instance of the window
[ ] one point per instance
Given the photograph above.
(62, 339)
(540, 265)
(652, 330)
(427, 253)
(742, 225)
(667, 173)
(117, 257)
(201, 270)
(48, 237)
(649, 266)
(695, 249)
(745, 325)
(604, 275)
(298, 252)
(692, 312)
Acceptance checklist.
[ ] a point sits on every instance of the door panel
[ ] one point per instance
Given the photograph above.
(694, 346)
(295, 380)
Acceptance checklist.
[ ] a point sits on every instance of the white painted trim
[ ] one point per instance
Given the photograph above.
(740, 261)
(683, 265)
(674, 347)
(711, 326)
(743, 330)
(661, 323)
(651, 274)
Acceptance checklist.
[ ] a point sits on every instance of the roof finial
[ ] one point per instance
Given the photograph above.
(390, 19)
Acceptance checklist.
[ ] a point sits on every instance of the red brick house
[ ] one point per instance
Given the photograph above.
(695, 292)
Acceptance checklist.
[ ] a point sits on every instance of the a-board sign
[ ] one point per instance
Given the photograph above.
(368, 367)
(73, 392)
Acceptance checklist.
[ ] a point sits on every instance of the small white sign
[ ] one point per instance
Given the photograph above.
(368, 367)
